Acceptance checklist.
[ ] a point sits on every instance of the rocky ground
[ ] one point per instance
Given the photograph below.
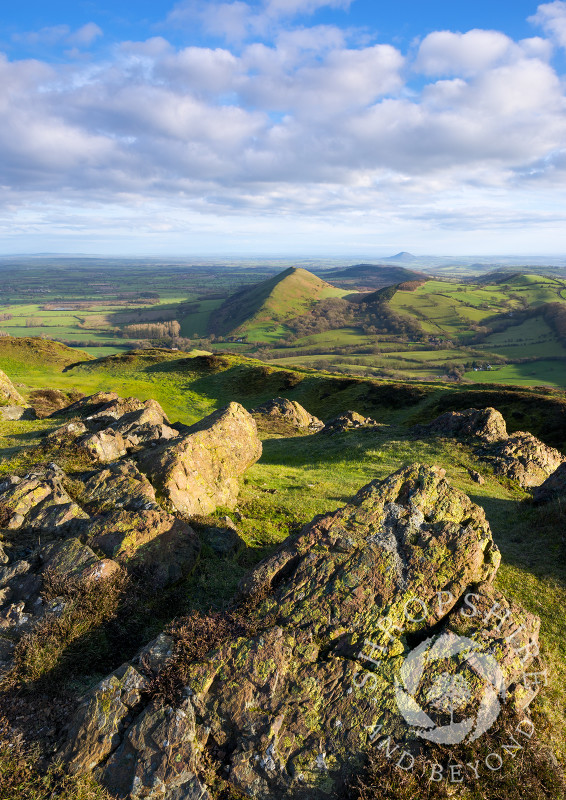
(373, 629)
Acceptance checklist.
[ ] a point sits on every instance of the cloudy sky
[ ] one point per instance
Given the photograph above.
(283, 127)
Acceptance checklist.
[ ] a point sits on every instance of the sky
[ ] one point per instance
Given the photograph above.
(283, 127)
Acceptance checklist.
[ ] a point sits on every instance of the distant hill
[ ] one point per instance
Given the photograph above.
(270, 303)
(404, 257)
(374, 276)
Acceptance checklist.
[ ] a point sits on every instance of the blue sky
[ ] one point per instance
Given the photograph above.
(283, 127)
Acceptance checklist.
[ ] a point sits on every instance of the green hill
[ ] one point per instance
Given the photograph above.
(27, 355)
(259, 310)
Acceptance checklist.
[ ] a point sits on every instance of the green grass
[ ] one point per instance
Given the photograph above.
(536, 373)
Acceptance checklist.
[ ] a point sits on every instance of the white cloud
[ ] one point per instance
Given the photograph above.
(308, 123)
(552, 19)
(444, 53)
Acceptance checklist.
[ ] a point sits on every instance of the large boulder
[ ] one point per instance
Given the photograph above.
(484, 424)
(288, 411)
(9, 395)
(200, 470)
(367, 624)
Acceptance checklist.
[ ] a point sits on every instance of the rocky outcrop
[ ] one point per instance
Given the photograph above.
(287, 411)
(554, 486)
(199, 471)
(368, 614)
(519, 456)
(347, 421)
(38, 500)
(166, 546)
(484, 424)
(9, 395)
(524, 458)
(113, 428)
(121, 485)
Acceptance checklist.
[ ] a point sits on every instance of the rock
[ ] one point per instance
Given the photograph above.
(121, 485)
(553, 486)
(72, 559)
(67, 433)
(12, 413)
(153, 538)
(346, 421)
(155, 655)
(6, 652)
(95, 731)
(290, 412)
(9, 396)
(106, 445)
(38, 501)
(4, 550)
(520, 456)
(485, 424)
(476, 477)
(523, 458)
(114, 409)
(199, 471)
(91, 404)
(355, 607)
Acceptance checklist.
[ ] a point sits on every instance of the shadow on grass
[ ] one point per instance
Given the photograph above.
(530, 537)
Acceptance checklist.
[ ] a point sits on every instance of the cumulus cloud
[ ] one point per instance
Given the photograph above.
(304, 122)
(552, 19)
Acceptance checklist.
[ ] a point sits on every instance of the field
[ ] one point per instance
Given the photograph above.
(460, 330)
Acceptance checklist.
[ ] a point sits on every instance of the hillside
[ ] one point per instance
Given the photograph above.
(260, 309)
(368, 277)
(33, 354)
(136, 585)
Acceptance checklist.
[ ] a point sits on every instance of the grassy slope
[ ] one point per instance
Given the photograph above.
(299, 477)
(259, 308)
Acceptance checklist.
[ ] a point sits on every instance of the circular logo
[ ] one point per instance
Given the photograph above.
(449, 689)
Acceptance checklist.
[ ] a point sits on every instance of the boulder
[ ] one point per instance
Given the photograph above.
(289, 411)
(121, 485)
(13, 413)
(66, 433)
(346, 421)
(368, 624)
(523, 458)
(9, 395)
(167, 546)
(485, 424)
(199, 470)
(553, 486)
(519, 456)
